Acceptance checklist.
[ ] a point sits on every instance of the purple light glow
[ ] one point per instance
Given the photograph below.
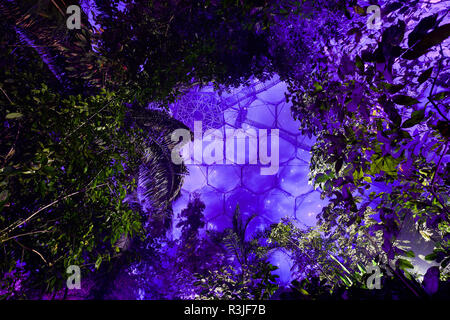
(222, 187)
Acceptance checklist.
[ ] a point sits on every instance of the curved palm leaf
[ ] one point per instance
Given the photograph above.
(159, 179)
(68, 54)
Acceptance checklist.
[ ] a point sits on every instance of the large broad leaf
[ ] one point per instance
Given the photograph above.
(338, 165)
(359, 64)
(444, 128)
(428, 41)
(404, 264)
(392, 7)
(404, 100)
(347, 66)
(440, 96)
(421, 29)
(416, 117)
(393, 88)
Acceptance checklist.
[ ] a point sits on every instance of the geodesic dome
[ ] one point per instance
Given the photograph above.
(199, 106)
(221, 187)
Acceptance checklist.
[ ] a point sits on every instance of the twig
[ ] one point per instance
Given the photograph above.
(431, 92)
(24, 234)
(433, 191)
(32, 250)
(18, 224)
(439, 164)
(84, 123)
(56, 5)
(6, 95)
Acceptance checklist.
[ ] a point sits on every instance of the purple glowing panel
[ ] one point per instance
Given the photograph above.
(222, 186)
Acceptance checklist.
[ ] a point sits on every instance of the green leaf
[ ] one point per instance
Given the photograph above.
(416, 118)
(304, 292)
(361, 268)
(431, 257)
(359, 10)
(440, 96)
(338, 165)
(404, 264)
(445, 262)
(49, 170)
(393, 88)
(359, 63)
(405, 100)
(3, 195)
(321, 178)
(98, 262)
(317, 87)
(14, 115)
(410, 254)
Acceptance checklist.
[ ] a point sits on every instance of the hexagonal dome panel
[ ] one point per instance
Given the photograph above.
(287, 193)
(249, 203)
(259, 113)
(255, 182)
(294, 178)
(277, 204)
(196, 180)
(308, 206)
(224, 178)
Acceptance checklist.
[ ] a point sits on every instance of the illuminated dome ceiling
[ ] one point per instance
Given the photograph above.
(221, 187)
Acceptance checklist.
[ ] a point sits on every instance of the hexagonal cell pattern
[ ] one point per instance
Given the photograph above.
(293, 172)
(260, 105)
(277, 205)
(224, 178)
(196, 180)
(307, 207)
(249, 203)
(256, 182)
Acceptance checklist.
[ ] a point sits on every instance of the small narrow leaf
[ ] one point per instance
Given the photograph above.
(425, 75)
(14, 115)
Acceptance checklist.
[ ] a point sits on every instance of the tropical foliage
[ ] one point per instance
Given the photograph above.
(85, 171)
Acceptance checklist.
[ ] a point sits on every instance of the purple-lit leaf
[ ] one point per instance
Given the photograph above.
(416, 118)
(428, 41)
(425, 75)
(405, 100)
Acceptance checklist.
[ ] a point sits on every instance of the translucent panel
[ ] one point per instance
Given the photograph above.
(196, 180)
(303, 155)
(214, 202)
(287, 149)
(286, 193)
(291, 174)
(284, 264)
(277, 205)
(224, 178)
(308, 206)
(220, 222)
(248, 202)
(273, 95)
(285, 121)
(258, 223)
(259, 113)
(255, 182)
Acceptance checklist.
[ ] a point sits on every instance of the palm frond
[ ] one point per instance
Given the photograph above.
(68, 54)
(159, 179)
